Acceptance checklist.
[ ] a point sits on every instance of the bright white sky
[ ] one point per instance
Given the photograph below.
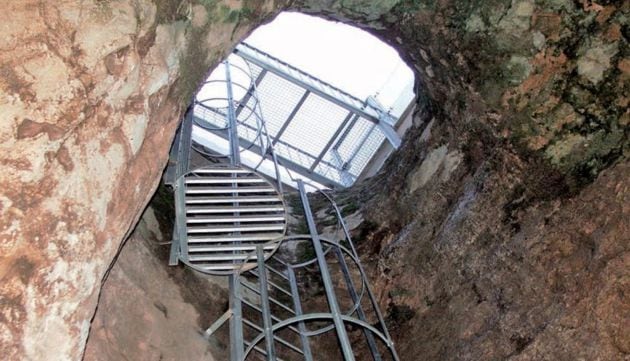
(342, 55)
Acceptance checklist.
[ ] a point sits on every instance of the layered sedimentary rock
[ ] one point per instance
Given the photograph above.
(91, 94)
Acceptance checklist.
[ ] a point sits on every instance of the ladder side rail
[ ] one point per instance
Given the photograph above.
(370, 293)
(297, 306)
(264, 301)
(376, 355)
(342, 334)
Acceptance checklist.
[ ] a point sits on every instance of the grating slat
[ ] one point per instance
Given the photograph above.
(228, 213)
(215, 200)
(243, 209)
(241, 219)
(224, 190)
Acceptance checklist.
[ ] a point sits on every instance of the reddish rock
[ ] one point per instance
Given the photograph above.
(90, 93)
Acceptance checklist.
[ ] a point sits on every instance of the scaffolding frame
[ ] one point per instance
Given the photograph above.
(354, 128)
(267, 312)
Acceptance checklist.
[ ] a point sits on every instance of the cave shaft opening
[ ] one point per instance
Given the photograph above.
(232, 213)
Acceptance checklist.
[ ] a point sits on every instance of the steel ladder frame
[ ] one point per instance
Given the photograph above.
(268, 330)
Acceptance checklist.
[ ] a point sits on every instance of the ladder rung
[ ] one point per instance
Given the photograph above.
(237, 238)
(242, 199)
(260, 350)
(220, 229)
(243, 219)
(276, 272)
(205, 190)
(274, 285)
(277, 338)
(251, 287)
(275, 318)
(244, 209)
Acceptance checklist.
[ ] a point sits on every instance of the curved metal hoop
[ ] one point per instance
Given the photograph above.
(244, 265)
(206, 125)
(320, 316)
(355, 305)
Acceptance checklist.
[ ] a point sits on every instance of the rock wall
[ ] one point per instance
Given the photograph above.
(489, 262)
(502, 234)
(149, 311)
(90, 95)
(500, 229)
(548, 77)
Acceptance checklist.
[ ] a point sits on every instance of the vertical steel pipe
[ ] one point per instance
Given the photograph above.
(342, 334)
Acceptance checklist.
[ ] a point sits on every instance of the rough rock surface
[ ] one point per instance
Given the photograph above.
(515, 246)
(148, 311)
(500, 229)
(90, 95)
(489, 265)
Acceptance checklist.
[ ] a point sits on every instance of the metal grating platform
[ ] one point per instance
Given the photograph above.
(232, 220)
(318, 131)
(229, 211)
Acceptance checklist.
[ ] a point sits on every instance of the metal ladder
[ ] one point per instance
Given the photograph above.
(232, 221)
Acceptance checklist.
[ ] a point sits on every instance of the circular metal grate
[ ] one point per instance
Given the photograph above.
(229, 212)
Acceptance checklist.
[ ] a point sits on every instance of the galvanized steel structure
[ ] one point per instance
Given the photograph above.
(232, 220)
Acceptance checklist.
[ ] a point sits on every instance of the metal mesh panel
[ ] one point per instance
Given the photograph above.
(278, 98)
(354, 138)
(314, 124)
(302, 123)
(211, 116)
(366, 151)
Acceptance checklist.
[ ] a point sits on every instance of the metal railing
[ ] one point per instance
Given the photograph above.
(270, 313)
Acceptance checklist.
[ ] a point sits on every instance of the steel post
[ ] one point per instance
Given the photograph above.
(342, 334)
(235, 154)
(297, 306)
(236, 321)
(264, 302)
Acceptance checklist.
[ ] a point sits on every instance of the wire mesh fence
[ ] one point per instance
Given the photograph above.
(309, 131)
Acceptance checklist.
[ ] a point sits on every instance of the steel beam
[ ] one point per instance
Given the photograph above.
(183, 149)
(235, 153)
(342, 334)
(333, 138)
(387, 122)
(390, 134)
(250, 92)
(286, 123)
(314, 85)
(345, 176)
(171, 169)
(179, 246)
(218, 323)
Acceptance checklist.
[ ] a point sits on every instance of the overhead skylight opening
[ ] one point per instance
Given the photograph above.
(347, 57)
(313, 99)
